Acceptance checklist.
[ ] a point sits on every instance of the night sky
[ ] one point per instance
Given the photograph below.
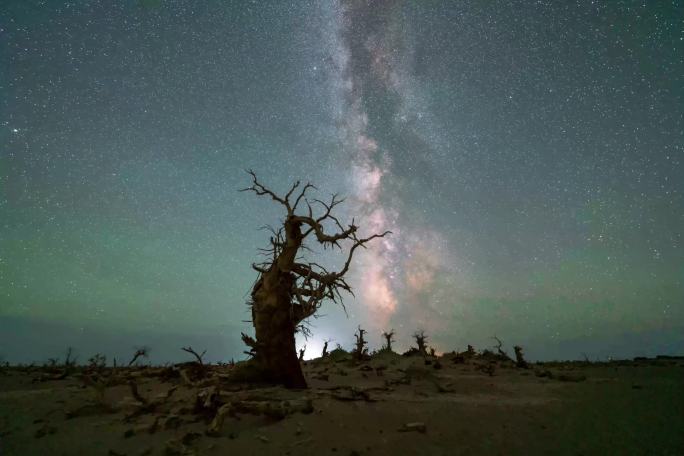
(527, 156)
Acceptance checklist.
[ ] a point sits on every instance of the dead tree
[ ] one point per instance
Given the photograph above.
(69, 359)
(301, 353)
(198, 356)
(97, 362)
(502, 354)
(360, 351)
(325, 348)
(519, 359)
(421, 339)
(139, 352)
(389, 338)
(290, 289)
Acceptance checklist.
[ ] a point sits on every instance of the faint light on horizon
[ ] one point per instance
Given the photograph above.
(314, 348)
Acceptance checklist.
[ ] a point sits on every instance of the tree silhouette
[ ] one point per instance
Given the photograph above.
(360, 351)
(519, 359)
(389, 338)
(421, 339)
(325, 348)
(140, 352)
(290, 289)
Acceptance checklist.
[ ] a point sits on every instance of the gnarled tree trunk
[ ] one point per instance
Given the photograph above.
(274, 327)
(275, 335)
(273, 318)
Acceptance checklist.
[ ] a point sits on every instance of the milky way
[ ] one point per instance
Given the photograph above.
(367, 68)
(526, 156)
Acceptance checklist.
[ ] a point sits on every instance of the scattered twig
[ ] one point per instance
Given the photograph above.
(272, 409)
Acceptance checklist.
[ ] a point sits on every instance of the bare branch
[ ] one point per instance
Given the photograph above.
(251, 343)
(358, 243)
(328, 207)
(258, 268)
(139, 352)
(260, 190)
(499, 344)
(288, 194)
(301, 195)
(189, 349)
(316, 227)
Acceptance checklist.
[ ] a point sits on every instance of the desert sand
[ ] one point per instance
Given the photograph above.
(386, 404)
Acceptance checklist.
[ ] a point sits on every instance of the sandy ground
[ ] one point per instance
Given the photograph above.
(389, 404)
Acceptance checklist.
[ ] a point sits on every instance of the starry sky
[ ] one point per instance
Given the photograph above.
(527, 156)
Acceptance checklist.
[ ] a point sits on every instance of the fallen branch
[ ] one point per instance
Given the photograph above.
(59, 376)
(272, 409)
(350, 393)
(147, 406)
(136, 395)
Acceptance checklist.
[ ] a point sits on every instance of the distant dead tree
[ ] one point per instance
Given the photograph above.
(69, 358)
(519, 359)
(97, 362)
(389, 338)
(360, 351)
(502, 354)
(301, 353)
(140, 352)
(290, 289)
(325, 348)
(421, 340)
(198, 356)
(498, 346)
